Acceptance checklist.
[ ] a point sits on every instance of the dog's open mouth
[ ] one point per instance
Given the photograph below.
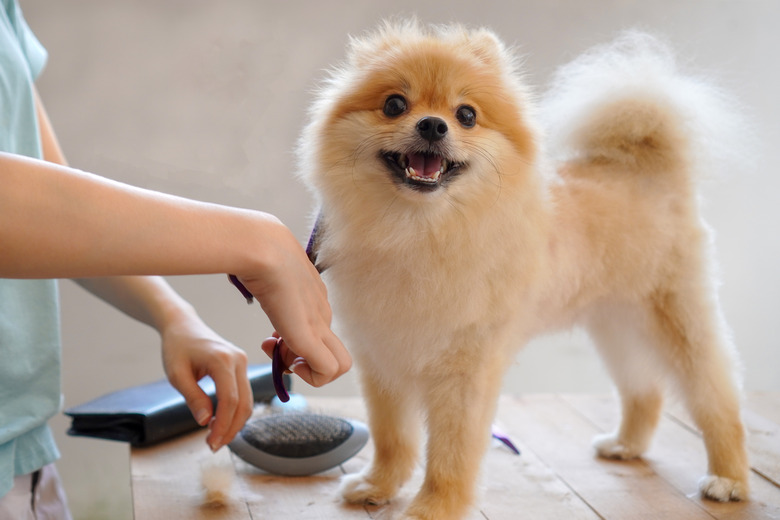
(423, 171)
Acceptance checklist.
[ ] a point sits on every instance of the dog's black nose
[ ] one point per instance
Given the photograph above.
(432, 128)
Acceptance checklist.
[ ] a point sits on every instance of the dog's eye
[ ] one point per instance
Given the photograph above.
(466, 115)
(395, 105)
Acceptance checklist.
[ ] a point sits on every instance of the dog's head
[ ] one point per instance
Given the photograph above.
(420, 115)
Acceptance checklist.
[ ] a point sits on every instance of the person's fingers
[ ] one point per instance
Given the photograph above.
(328, 361)
(316, 362)
(227, 402)
(197, 401)
(245, 403)
(234, 398)
(269, 344)
(342, 355)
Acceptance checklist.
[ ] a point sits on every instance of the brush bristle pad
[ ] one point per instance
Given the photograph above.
(297, 444)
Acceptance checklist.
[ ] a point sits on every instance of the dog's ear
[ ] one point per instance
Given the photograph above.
(486, 46)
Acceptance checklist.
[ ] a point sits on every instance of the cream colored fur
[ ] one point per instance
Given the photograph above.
(434, 292)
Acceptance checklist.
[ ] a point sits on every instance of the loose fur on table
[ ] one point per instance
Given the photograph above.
(217, 482)
(460, 218)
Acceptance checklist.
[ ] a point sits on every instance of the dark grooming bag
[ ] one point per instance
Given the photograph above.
(147, 414)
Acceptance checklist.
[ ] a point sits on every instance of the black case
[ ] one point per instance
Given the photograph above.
(150, 413)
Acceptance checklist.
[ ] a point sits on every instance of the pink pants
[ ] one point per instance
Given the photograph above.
(37, 496)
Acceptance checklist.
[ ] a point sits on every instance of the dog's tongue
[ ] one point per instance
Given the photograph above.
(425, 165)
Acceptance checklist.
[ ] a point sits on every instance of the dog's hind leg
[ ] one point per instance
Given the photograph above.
(632, 361)
(395, 430)
(704, 367)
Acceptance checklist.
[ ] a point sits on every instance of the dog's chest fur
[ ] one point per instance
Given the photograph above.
(432, 292)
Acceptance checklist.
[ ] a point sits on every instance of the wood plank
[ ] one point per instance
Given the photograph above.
(508, 483)
(523, 486)
(557, 475)
(355, 409)
(615, 490)
(679, 457)
(762, 420)
(766, 404)
(763, 445)
(763, 439)
(305, 498)
(166, 481)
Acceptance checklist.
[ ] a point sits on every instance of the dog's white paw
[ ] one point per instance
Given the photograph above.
(356, 489)
(610, 447)
(722, 489)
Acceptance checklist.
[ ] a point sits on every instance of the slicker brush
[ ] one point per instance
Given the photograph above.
(297, 444)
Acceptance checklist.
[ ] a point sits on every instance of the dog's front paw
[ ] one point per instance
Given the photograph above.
(722, 489)
(610, 446)
(357, 489)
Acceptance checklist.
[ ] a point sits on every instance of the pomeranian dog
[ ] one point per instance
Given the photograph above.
(459, 219)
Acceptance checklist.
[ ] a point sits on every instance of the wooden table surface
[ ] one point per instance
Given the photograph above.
(556, 477)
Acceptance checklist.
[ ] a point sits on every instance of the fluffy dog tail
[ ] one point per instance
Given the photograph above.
(628, 103)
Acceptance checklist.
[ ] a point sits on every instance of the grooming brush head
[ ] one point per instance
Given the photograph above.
(296, 444)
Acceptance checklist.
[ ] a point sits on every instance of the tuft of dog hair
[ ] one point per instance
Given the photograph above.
(217, 481)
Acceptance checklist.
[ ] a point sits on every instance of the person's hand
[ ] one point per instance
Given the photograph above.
(295, 299)
(191, 350)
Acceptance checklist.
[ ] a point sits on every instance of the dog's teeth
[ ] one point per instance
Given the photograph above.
(410, 172)
(444, 166)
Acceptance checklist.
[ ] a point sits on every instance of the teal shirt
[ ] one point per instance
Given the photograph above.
(29, 314)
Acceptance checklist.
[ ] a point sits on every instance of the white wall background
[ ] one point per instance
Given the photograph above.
(205, 99)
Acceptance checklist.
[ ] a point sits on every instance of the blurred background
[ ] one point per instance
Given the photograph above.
(206, 99)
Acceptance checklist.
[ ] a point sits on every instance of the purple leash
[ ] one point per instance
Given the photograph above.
(502, 437)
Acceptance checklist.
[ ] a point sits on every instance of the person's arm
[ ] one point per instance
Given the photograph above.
(190, 349)
(56, 222)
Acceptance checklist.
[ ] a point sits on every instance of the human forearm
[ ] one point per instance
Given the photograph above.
(148, 299)
(57, 222)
